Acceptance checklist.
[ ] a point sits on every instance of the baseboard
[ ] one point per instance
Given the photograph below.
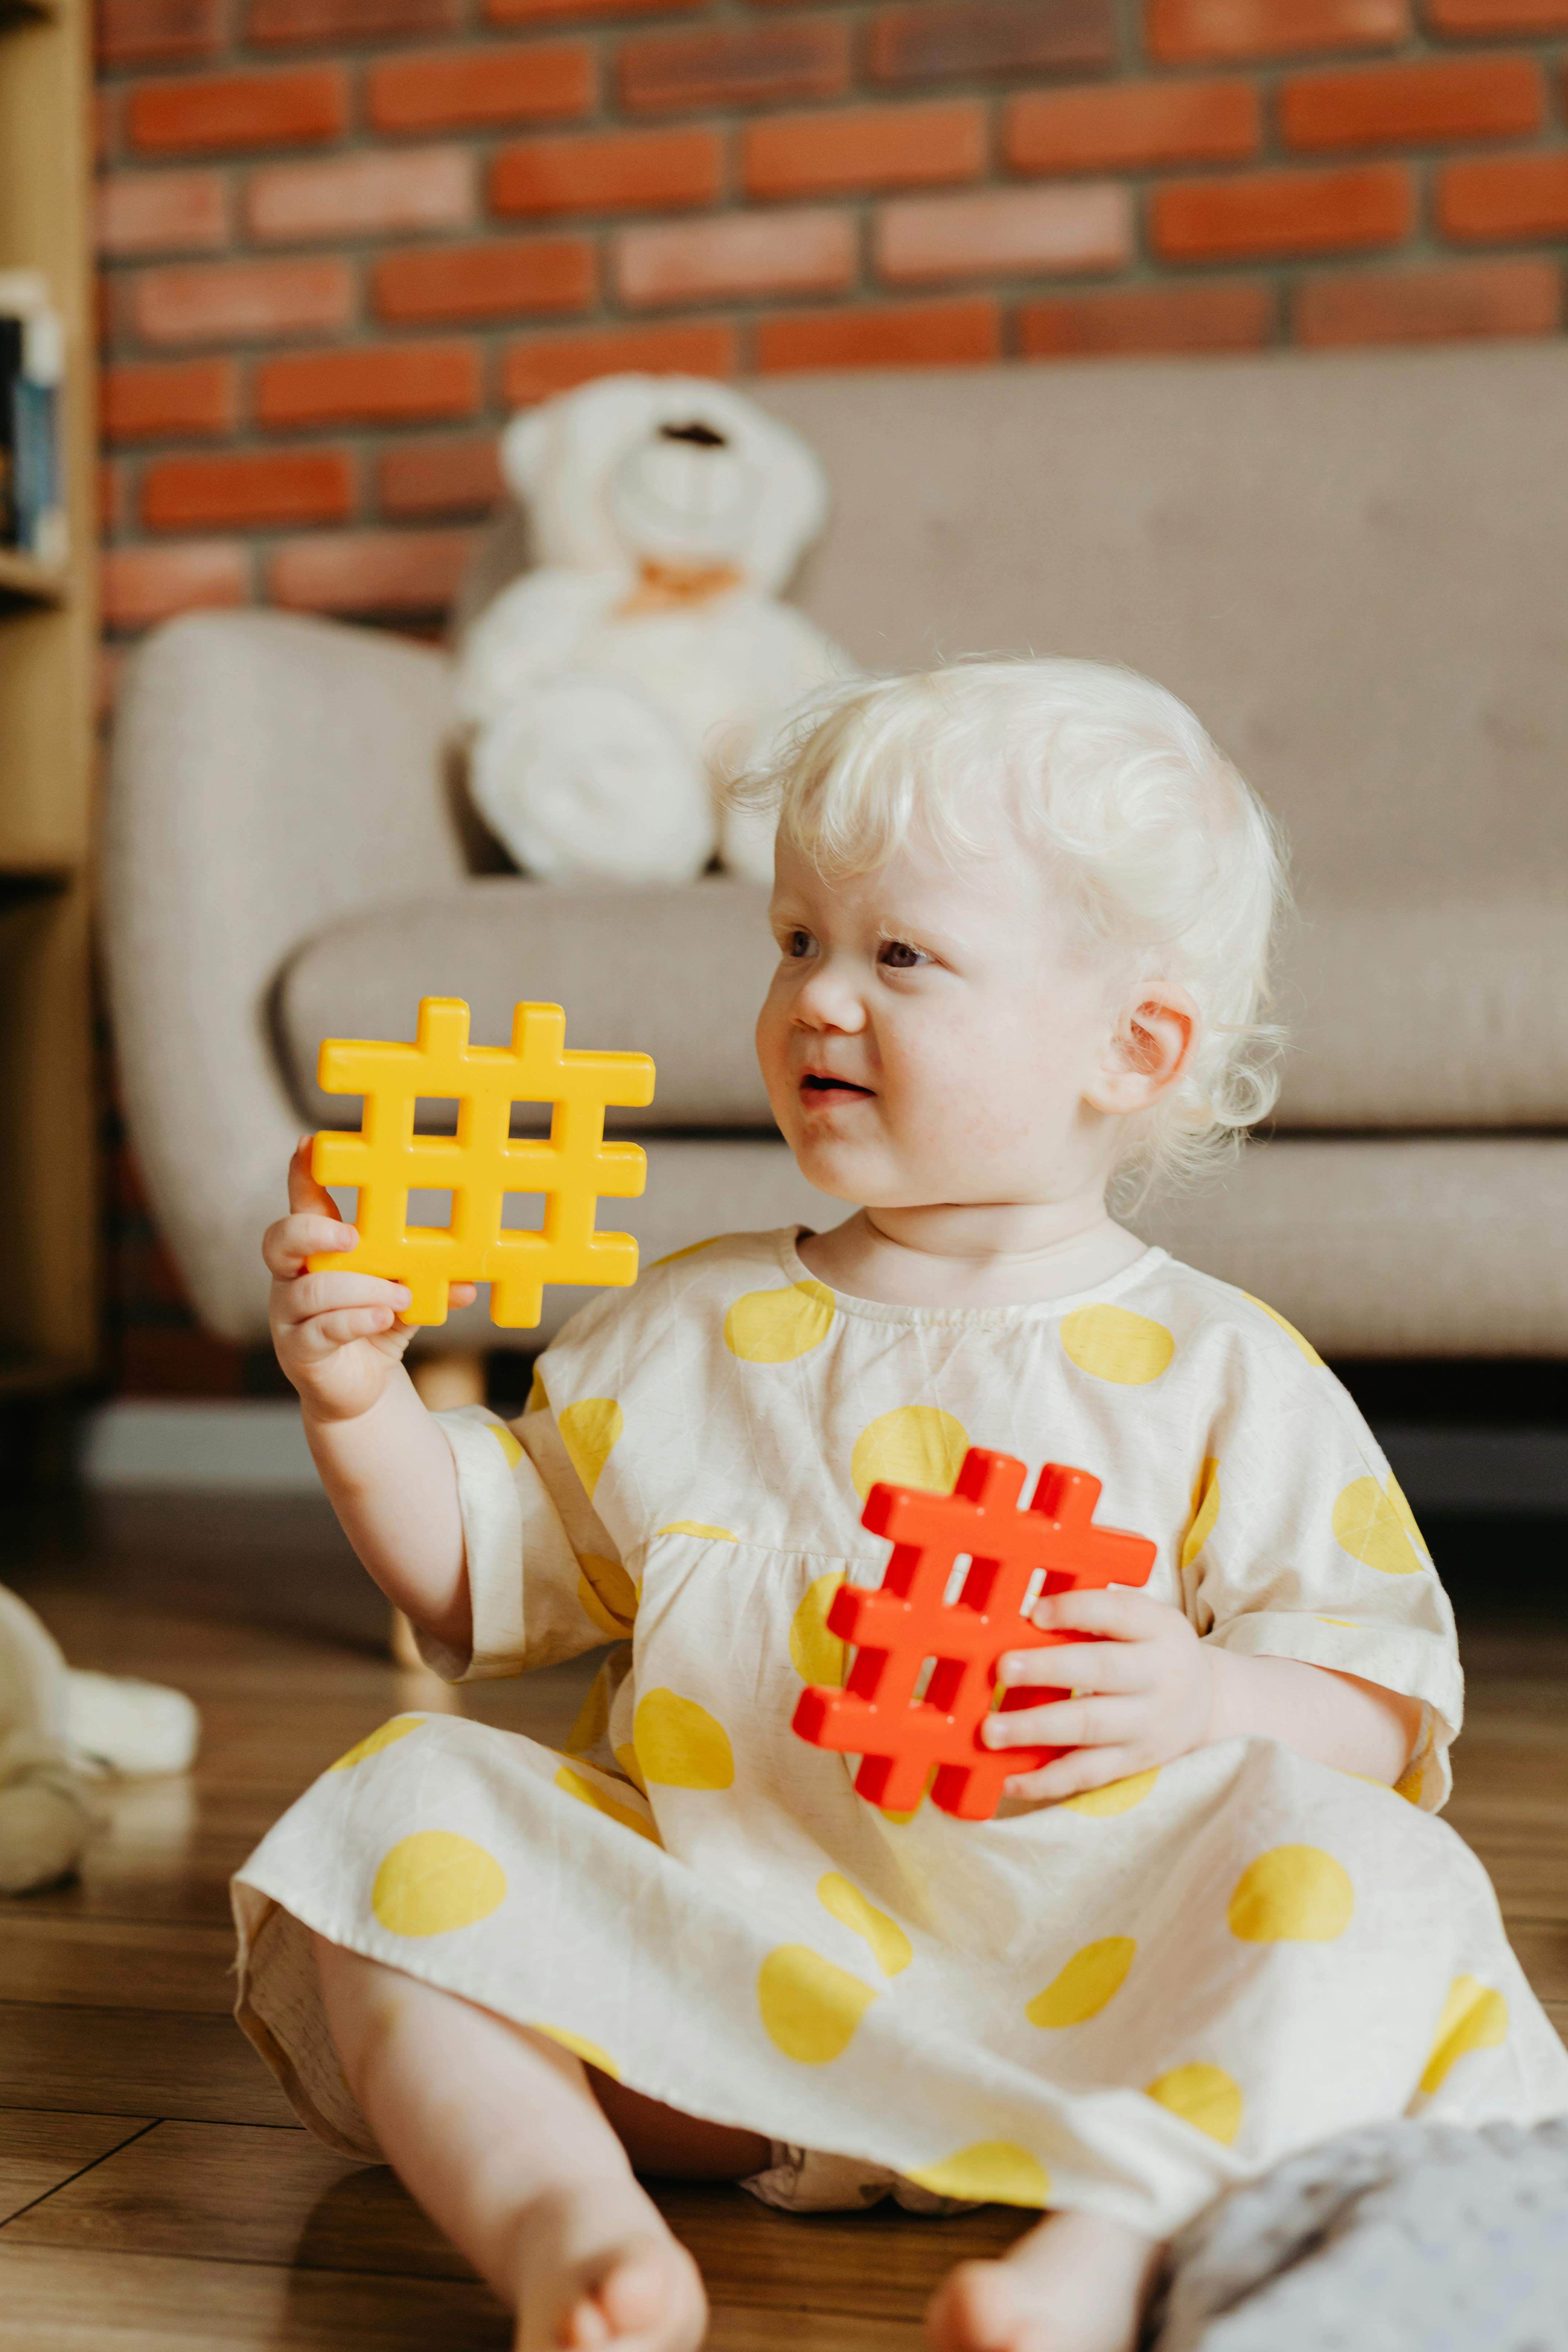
(258, 1447)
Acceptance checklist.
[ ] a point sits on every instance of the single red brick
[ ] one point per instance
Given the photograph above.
(139, 585)
(1194, 32)
(1259, 212)
(746, 64)
(365, 195)
(226, 111)
(370, 384)
(549, 363)
(446, 90)
(1129, 125)
(1137, 320)
(1523, 297)
(148, 401)
(865, 147)
(973, 39)
(508, 278)
(163, 211)
(1485, 16)
(1004, 232)
(907, 334)
(342, 23)
(738, 254)
(1487, 200)
(538, 12)
(371, 571)
(1438, 99)
(250, 487)
(441, 477)
(149, 32)
(243, 301)
(607, 172)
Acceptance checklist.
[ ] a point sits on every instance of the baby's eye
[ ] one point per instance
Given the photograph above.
(798, 943)
(900, 956)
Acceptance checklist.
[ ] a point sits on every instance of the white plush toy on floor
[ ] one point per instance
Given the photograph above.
(59, 1730)
(613, 688)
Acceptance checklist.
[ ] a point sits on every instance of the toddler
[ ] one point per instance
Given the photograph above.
(1022, 912)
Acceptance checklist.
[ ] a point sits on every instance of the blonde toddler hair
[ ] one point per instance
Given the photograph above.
(1173, 864)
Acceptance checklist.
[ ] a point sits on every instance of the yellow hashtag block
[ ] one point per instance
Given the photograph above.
(482, 1164)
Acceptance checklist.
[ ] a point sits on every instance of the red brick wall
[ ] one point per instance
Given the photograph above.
(343, 238)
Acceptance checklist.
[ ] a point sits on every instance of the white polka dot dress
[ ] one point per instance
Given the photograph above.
(1127, 2001)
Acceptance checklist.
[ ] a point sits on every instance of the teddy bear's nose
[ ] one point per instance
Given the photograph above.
(702, 437)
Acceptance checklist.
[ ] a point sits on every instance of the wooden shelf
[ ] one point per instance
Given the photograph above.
(25, 577)
(49, 1290)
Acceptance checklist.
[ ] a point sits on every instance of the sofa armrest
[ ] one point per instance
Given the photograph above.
(269, 774)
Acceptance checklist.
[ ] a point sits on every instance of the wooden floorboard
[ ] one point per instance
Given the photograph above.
(156, 2193)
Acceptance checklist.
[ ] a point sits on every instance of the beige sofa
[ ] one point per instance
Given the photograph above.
(1355, 567)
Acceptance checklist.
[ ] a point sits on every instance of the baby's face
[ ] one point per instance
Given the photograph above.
(930, 1033)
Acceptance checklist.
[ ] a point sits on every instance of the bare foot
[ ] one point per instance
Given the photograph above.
(597, 2269)
(1077, 2283)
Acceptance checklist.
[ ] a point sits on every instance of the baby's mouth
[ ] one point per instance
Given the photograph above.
(815, 1084)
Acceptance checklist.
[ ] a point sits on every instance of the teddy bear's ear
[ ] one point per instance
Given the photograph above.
(524, 448)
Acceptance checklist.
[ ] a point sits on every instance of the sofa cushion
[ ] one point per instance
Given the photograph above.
(1427, 1011)
(676, 974)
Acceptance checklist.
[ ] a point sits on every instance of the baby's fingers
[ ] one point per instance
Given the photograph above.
(1064, 1723)
(304, 1192)
(347, 1323)
(286, 1245)
(312, 1296)
(1077, 1665)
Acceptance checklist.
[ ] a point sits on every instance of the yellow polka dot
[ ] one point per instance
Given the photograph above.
(588, 1431)
(538, 1401)
(698, 1527)
(774, 1327)
(1291, 1895)
(626, 1758)
(593, 1717)
(375, 1741)
(589, 2052)
(1116, 1797)
(587, 1792)
(810, 2008)
(1080, 1991)
(1114, 1344)
(680, 1744)
(1475, 2017)
(1206, 1511)
(817, 1655)
(1374, 1528)
(508, 1443)
(913, 1445)
(1205, 2097)
(991, 2172)
(1350, 1621)
(608, 1594)
(1274, 1317)
(1412, 1782)
(434, 1881)
(890, 1948)
(690, 1250)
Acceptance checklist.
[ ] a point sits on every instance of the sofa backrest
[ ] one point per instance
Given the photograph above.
(1354, 567)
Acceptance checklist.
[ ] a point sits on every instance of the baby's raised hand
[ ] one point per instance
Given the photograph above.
(338, 1336)
(1138, 1699)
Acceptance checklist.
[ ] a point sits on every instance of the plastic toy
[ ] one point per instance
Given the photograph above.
(480, 1165)
(1014, 1556)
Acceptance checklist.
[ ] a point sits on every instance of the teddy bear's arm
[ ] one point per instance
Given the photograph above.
(529, 634)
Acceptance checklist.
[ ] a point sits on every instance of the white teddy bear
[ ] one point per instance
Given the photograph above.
(612, 690)
(59, 1729)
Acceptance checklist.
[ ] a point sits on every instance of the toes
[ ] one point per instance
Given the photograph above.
(639, 2292)
(649, 2296)
(976, 2311)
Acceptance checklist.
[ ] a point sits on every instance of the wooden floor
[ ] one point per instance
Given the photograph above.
(154, 2189)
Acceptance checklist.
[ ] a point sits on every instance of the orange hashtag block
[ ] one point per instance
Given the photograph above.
(1014, 1556)
(482, 1164)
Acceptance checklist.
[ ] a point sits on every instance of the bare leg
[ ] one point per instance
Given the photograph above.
(1075, 2284)
(497, 2135)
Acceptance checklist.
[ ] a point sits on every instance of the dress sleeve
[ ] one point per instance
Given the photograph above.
(1302, 1545)
(544, 1578)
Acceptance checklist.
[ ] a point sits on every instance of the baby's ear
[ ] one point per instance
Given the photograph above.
(1151, 1048)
